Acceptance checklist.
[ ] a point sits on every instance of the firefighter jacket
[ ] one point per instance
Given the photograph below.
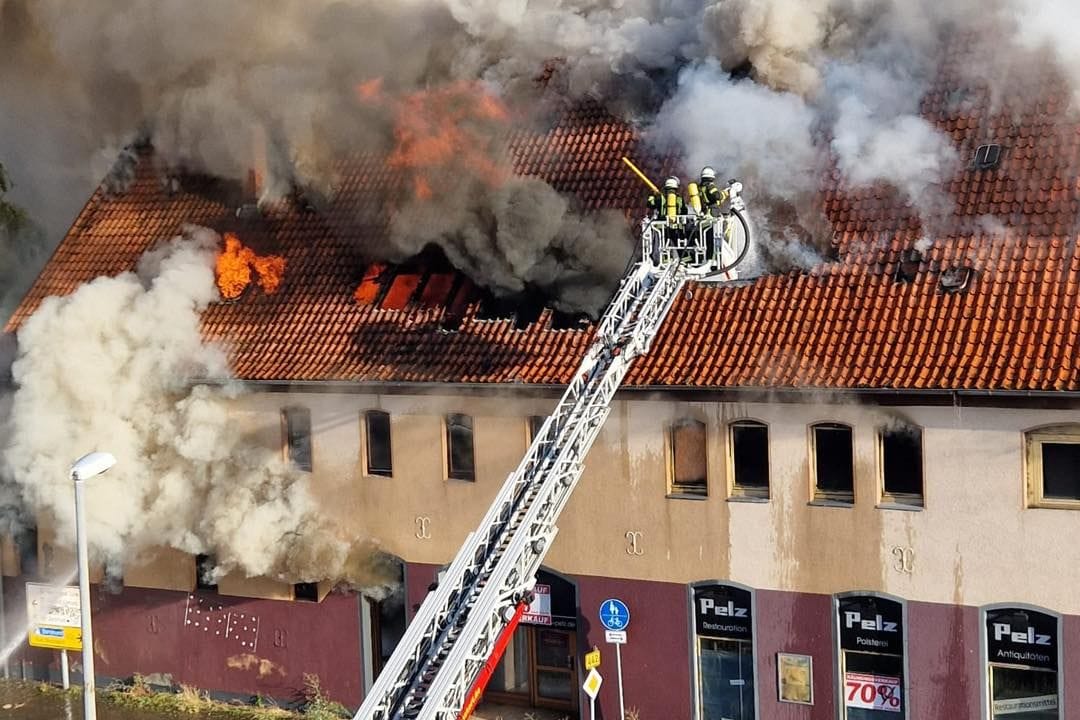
(658, 204)
(714, 199)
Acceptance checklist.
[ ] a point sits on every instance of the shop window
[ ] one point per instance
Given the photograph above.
(873, 671)
(901, 465)
(1022, 664)
(459, 448)
(1053, 467)
(204, 573)
(724, 651)
(296, 422)
(379, 460)
(833, 463)
(688, 471)
(748, 441)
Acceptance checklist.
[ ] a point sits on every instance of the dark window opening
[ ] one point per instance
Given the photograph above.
(204, 573)
(834, 472)
(688, 458)
(536, 424)
(901, 465)
(377, 437)
(298, 437)
(750, 458)
(987, 157)
(459, 447)
(1061, 470)
(907, 266)
(307, 591)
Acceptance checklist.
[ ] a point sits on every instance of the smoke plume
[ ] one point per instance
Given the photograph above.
(112, 366)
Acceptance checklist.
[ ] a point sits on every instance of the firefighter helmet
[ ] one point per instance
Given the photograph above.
(707, 173)
(672, 183)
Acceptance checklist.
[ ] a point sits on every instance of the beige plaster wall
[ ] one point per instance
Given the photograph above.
(974, 542)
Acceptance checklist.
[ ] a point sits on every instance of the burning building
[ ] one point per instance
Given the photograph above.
(818, 480)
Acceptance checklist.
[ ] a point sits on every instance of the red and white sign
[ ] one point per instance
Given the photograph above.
(872, 692)
(539, 613)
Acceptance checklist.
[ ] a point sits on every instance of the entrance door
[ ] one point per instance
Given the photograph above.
(554, 668)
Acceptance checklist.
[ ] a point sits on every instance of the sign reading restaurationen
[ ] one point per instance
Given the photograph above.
(53, 617)
(723, 611)
(871, 624)
(1017, 636)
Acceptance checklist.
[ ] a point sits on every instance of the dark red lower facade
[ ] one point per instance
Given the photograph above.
(245, 648)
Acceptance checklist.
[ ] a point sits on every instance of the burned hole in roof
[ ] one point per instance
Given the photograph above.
(907, 266)
(955, 279)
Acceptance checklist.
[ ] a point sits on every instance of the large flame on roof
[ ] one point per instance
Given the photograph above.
(447, 128)
(235, 264)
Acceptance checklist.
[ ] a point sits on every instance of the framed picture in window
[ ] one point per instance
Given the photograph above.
(795, 678)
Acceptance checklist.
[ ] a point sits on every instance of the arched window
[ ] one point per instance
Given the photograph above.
(723, 648)
(460, 463)
(296, 423)
(901, 456)
(871, 630)
(1023, 657)
(748, 447)
(1053, 466)
(833, 463)
(379, 459)
(689, 467)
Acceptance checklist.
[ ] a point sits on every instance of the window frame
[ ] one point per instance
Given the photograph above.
(694, 644)
(899, 501)
(1034, 438)
(830, 497)
(985, 677)
(286, 445)
(369, 471)
(675, 490)
(748, 492)
(448, 456)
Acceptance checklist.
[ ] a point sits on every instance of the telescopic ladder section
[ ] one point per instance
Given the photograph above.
(456, 628)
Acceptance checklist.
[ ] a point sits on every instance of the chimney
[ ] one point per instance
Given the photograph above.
(257, 163)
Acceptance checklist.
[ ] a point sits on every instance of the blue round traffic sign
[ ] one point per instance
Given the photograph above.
(614, 615)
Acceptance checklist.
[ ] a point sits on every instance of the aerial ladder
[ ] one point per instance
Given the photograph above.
(450, 649)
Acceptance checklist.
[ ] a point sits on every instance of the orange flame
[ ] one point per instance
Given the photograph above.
(443, 129)
(234, 266)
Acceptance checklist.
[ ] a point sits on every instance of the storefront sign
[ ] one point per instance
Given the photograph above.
(872, 692)
(1015, 636)
(723, 611)
(871, 624)
(539, 612)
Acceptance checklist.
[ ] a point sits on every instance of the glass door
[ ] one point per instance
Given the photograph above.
(554, 669)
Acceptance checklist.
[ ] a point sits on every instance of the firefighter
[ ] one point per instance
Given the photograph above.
(667, 204)
(713, 198)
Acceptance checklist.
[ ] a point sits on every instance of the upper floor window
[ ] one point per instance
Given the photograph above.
(378, 460)
(688, 464)
(901, 464)
(460, 463)
(308, 591)
(748, 441)
(204, 573)
(536, 423)
(833, 463)
(1053, 467)
(297, 427)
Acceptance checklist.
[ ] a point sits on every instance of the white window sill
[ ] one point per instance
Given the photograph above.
(685, 496)
(748, 499)
(832, 503)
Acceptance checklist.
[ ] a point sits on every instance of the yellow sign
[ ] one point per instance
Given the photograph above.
(55, 638)
(592, 683)
(592, 659)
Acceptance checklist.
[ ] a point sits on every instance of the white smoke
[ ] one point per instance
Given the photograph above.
(111, 366)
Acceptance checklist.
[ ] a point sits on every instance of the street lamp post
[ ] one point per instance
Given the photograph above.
(86, 467)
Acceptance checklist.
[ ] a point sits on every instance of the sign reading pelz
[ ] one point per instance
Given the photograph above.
(723, 611)
(871, 624)
(1016, 636)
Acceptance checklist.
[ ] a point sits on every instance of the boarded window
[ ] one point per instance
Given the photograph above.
(901, 465)
(1053, 467)
(749, 458)
(833, 462)
(688, 463)
(459, 447)
(377, 440)
(204, 573)
(297, 426)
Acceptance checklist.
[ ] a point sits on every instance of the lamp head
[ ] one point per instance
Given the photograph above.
(92, 465)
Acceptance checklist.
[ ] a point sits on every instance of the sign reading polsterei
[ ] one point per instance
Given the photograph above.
(871, 624)
(1016, 636)
(723, 611)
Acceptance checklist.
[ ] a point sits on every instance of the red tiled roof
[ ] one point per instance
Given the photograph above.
(878, 317)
